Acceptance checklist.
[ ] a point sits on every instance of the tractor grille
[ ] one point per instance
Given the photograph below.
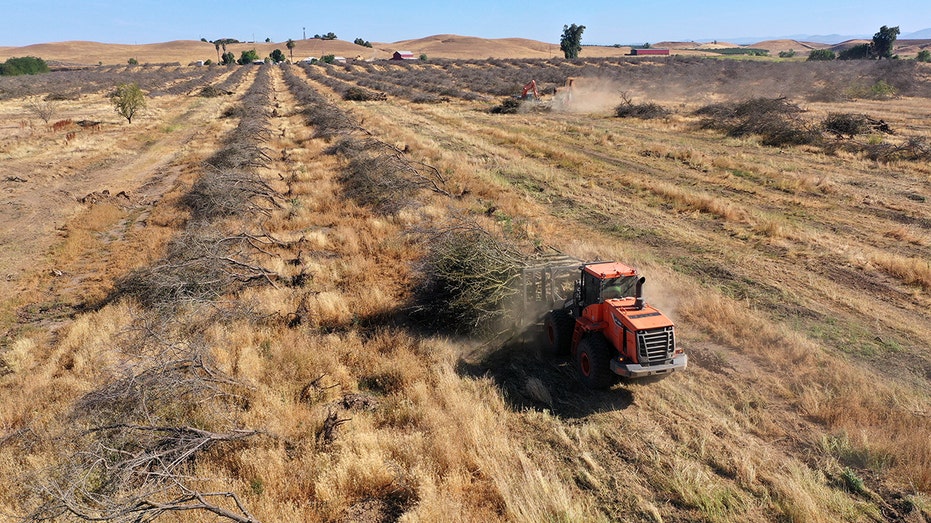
(656, 346)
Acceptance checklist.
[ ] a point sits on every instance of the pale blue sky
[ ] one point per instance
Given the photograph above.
(607, 22)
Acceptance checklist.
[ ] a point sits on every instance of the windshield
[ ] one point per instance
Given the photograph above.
(623, 287)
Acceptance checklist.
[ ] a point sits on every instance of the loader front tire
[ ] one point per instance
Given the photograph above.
(557, 332)
(593, 362)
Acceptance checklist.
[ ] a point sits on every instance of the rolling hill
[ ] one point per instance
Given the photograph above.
(78, 53)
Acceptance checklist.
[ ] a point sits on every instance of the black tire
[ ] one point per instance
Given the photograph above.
(593, 362)
(557, 332)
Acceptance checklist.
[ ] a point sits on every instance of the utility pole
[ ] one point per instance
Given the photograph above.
(305, 32)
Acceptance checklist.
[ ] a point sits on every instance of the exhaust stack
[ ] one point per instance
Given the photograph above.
(638, 302)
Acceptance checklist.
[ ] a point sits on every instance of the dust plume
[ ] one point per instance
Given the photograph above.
(587, 95)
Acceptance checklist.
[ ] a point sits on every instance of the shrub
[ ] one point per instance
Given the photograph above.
(821, 55)
(328, 58)
(277, 56)
(247, 57)
(24, 65)
(881, 90)
(787, 54)
(852, 482)
(857, 52)
(132, 61)
(228, 59)
(923, 56)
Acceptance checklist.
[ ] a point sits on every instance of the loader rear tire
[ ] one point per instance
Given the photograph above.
(593, 361)
(557, 332)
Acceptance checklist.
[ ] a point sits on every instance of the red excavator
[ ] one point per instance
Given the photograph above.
(530, 91)
(604, 324)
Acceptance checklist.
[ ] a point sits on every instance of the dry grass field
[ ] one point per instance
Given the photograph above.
(208, 313)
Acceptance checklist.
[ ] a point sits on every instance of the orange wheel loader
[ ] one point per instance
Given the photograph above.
(605, 325)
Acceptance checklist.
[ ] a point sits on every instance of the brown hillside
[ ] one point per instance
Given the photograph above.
(183, 51)
(455, 46)
(186, 51)
(777, 46)
(437, 46)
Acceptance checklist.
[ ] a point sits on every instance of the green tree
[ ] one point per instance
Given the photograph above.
(247, 57)
(328, 58)
(268, 40)
(24, 65)
(571, 40)
(128, 100)
(423, 58)
(363, 43)
(857, 52)
(787, 54)
(923, 56)
(329, 36)
(277, 56)
(884, 40)
(228, 59)
(821, 55)
(132, 61)
(291, 46)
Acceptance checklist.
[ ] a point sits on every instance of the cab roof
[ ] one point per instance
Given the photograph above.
(609, 270)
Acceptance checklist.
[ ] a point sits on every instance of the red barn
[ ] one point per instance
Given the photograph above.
(649, 52)
(403, 55)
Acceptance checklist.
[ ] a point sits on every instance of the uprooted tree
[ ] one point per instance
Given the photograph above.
(133, 446)
(474, 275)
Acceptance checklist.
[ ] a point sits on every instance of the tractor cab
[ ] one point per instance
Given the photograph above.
(607, 281)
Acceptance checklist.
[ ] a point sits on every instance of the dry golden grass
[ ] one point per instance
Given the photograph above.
(800, 360)
(912, 271)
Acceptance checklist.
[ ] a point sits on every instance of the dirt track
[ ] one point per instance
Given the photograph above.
(45, 175)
